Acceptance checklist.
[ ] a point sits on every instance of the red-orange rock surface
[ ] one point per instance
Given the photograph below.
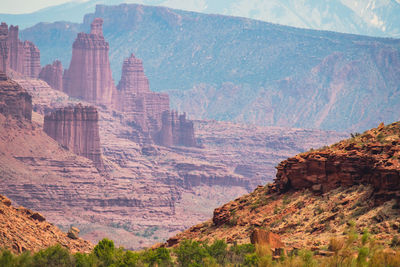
(76, 128)
(4, 62)
(22, 229)
(53, 75)
(24, 57)
(371, 158)
(89, 75)
(14, 100)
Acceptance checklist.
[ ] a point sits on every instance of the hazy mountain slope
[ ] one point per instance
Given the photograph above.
(242, 70)
(371, 17)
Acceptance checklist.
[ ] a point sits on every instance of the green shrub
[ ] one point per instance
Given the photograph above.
(190, 253)
(55, 256)
(105, 252)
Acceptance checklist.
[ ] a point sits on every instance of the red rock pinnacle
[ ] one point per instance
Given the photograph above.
(89, 74)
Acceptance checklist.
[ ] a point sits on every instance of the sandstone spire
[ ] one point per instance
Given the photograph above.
(133, 78)
(89, 74)
(24, 56)
(4, 62)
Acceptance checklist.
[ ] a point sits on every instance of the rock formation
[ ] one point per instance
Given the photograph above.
(24, 57)
(176, 130)
(313, 195)
(89, 75)
(370, 158)
(4, 62)
(52, 74)
(22, 229)
(149, 110)
(14, 100)
(133, 79)
(77, 129)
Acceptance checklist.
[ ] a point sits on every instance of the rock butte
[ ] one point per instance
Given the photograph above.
(76, 128)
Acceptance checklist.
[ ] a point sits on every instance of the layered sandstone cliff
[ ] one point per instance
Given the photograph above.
(52, 74)
(77, 129)
(89, 75)
(14, 100)
(24, 57)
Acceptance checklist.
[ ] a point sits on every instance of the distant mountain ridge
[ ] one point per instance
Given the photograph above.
(365, 17)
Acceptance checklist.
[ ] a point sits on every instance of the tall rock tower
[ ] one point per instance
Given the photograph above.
(89, 74)
(4, 61)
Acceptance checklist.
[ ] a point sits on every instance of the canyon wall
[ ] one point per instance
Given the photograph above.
(14, 100)
(77, 129)
(52, 74)
(89, 75)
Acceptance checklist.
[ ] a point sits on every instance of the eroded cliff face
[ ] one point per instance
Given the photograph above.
(76, 128)
(89, 75)
(14, 100)
(52, 74)
(24, 57)
(371, 158)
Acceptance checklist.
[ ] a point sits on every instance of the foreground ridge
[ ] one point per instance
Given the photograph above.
(316, 195)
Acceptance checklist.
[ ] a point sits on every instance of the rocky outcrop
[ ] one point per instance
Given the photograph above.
(3, 47)
(24, 57)
(52, 74)
(24, 230)
(176, 130)
(371, 158)
(77, 129)
(89, 75)
(14, 100)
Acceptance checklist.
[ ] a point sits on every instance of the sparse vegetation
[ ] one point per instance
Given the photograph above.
(346, 251)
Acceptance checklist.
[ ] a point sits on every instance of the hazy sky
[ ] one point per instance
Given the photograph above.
(28, 6)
